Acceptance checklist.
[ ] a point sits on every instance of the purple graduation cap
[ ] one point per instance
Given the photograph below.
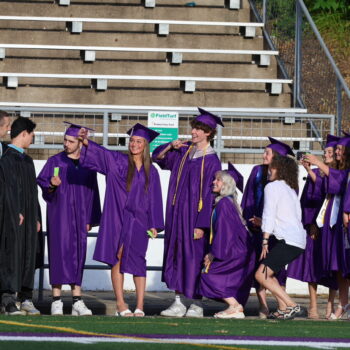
(280, 147)
(332, 141)
(73, 129)
(237, 176)
(345, 140)
(208, 118)
(140, 130)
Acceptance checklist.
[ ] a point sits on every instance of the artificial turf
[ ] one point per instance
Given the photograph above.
(157, 325)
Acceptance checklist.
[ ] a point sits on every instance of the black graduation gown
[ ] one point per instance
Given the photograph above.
(18, 244)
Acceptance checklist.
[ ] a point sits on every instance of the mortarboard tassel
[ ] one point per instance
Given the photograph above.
(180, 171)
(200, 203)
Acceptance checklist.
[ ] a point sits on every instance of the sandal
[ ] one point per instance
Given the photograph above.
(139, 313)
(329, 311)
(334, 317)
(263, 313)
(226, 314)
(124, 313)
(277, 315)
(291, 312)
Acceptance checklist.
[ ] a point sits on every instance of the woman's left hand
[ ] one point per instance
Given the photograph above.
(265, 250)
(208, 259)
(257, 222)
(198, 233)
(154, 232)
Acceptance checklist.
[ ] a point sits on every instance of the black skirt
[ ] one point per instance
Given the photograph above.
(281, 255)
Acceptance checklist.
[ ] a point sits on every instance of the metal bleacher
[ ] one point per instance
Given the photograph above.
(111, 62)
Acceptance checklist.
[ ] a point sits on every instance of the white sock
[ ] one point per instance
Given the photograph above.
(178, 299)
(197, 302)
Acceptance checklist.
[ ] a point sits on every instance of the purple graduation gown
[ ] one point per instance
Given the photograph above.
(231, 272)
(183, 255)
(308, 267)
(346, 256)
(253, 205)
(126, 216)
(335, 254)
(73, 205)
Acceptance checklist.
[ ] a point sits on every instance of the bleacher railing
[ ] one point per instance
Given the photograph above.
(318, 84)
(244, 135)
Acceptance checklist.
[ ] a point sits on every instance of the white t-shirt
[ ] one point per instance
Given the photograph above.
(282, 214)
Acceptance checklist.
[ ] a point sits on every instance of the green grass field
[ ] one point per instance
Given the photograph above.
(181, 331)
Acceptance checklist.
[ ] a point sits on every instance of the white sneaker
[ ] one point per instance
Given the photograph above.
(194, 311)
(29, 308)
(176, 309)
(57, 308)
(80, 309)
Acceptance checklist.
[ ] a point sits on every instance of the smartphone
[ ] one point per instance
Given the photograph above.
(300, 155)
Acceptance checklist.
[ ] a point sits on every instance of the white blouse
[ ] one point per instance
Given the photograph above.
(282, 214)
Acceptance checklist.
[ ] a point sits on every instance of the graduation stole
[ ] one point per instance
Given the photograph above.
(322, 212)
(212, 220)
(200, 203)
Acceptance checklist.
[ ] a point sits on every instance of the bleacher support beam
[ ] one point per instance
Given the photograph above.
(234, 4)
(12, 82)
(276, 88)
(190, 86)
(163, 29)
(77, 27)
(89, 56)
(150, 3)
(249, 32)
(101, 84)
(264, 60)
(176, 57)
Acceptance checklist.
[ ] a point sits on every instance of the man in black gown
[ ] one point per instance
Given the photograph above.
(19, 221)
(5, 127)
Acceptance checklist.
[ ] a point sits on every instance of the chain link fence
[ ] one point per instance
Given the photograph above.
(241, 141)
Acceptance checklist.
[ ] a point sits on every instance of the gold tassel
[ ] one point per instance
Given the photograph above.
(180, 172)
(200, 203)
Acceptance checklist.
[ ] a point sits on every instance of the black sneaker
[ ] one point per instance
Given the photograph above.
(12, 310)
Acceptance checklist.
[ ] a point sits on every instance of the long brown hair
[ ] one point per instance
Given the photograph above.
(344, 163)
(333, 164)
(287, 170)
(146, 161)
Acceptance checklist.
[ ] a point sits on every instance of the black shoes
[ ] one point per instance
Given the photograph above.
(12, 310)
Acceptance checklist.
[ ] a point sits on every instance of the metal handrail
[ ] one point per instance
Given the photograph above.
(301, 10)
(325, 48)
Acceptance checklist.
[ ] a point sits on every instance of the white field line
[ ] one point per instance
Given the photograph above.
(94, 340)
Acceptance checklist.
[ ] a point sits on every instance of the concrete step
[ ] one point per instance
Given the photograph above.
(149, 97)
(104, 303)
(123, 39)
(125, 67)
(144, 56)
(128, 12)
(159, 3)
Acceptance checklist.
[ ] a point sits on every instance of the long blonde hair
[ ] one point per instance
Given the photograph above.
(146, 161)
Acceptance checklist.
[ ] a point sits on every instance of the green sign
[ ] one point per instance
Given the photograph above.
(167, 124)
